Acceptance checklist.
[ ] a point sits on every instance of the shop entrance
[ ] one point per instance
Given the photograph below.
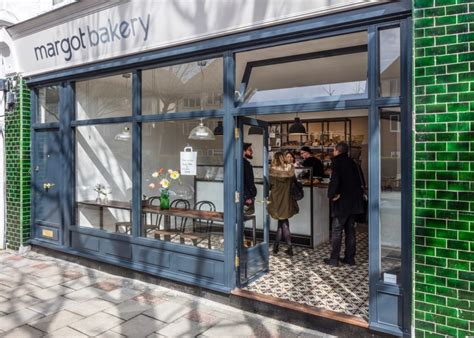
(303, 278)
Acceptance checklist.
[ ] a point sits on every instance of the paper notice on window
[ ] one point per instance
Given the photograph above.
(188, 162)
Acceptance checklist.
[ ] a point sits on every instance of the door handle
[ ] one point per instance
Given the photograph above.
(47, 186)
(264, 201)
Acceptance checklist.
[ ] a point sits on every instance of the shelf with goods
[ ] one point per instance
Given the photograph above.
(321, 137)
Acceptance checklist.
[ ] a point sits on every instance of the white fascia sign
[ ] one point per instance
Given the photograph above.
(142, 25)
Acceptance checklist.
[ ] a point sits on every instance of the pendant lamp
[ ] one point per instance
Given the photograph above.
(124, 135)
(201, 132)
(297, 128)
(219, 130)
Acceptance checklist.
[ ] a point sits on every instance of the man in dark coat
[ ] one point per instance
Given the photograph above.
(312, 162)
(346, 197)
(250, 190)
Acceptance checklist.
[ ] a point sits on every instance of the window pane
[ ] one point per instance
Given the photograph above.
(104, 177)
(184, 87)
(104, 97)
(329, 69)
(390, 194)
(48, 108)
(390, 62)
(162, 146)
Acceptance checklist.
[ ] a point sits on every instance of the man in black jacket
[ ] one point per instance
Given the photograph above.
(250, 190)
(312, 162)
(346, 197)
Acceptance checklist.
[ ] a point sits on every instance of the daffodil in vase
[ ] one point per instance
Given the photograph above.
(165, 182)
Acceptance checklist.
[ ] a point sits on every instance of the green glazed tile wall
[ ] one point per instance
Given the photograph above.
(18, 176)
(444, 167)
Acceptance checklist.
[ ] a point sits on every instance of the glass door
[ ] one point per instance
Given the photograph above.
(252, 218)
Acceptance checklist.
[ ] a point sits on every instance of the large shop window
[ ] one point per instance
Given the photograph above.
(104, 177)
(389, 61)
(390, 194)
(195, 199)
(104, 97)
(185, 87)
(327, 69)
(48, 108)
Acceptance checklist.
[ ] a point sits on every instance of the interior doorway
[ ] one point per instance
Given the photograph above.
(304, 278)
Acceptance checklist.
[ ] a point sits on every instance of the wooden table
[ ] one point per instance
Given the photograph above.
(175, 212)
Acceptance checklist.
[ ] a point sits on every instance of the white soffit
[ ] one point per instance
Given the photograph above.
(141, 25)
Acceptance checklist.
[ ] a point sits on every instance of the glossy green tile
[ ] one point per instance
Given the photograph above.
(458, 107)
(458, 264)
(458, 245)
(457, 284)
(446, 137)
(446, 78)
(435, 299)
(458, 48)
(446, 20)
(467, 37)
(446, 253)
(442, 329)
(435, 31)
(424, 42)
(447, 176)
(456, 29)
(447, 234)
(458, 87)
(456, 9)
(445, 40)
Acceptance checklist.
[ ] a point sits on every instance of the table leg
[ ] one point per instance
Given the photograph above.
(101, 217)
(254, 230)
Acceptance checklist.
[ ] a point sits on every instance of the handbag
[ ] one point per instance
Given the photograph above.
(296, 190)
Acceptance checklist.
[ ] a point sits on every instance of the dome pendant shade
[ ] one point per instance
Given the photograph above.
(219, 130)
(253, 130)
(201, 132)
(297, 128)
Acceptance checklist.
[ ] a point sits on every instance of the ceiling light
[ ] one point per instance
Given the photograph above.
(201, 132)
(297, 128)
(219, 130)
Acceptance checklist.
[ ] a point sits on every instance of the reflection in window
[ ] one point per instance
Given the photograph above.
(389, 62)
(104, 177)
(184, 87)
(390, 194)
(163, 145)
(104, 97)
(48, 109)
(328, 69)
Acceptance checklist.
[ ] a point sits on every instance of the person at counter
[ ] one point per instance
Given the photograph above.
(346, 197)
(312, 162)
(281, 205)
(290, 157)
(250, 190)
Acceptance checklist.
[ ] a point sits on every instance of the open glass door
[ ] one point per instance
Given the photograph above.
(252, 218)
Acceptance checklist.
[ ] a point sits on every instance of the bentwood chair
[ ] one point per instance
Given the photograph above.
(177, 224)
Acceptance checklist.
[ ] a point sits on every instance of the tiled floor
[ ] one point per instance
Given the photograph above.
(304, 278)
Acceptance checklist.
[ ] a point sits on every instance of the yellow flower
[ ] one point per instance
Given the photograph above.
(174, 175)
(155, 174)
(165, 183)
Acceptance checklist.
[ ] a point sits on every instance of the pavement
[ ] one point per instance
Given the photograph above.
(42, 296)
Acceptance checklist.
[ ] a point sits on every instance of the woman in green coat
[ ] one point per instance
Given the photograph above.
(282, 206)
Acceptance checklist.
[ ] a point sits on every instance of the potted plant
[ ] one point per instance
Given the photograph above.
(165, 180)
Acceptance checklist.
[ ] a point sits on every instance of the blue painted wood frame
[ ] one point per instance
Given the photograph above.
(136, 154)
(229, 171)
(34, 157)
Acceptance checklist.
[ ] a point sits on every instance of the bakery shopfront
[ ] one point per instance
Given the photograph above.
(139, 115)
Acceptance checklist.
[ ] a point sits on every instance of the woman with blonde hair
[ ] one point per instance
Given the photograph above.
(282, 206)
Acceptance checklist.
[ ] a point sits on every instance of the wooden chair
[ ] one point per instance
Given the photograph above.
(200, 224)
(178, 221)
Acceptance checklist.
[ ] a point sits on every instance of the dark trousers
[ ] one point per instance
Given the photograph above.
(346, 224)
(283, 231)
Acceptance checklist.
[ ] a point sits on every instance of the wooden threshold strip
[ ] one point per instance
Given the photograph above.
(306, 309)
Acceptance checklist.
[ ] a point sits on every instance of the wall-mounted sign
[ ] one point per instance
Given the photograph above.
(188, 162)
(139, 25)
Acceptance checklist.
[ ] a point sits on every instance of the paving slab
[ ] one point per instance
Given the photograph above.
(96, 324)
(90, 307)
(120, 295)
(128, 309)
(184, 328)
(56, 321)
(81, 282)
(168, 311)
(66, 332)
(110, 334)
(24, 331)
(19, 291)
(52, 305)
(139, 326)
(18, 303)
(85, 294)
(18, 318)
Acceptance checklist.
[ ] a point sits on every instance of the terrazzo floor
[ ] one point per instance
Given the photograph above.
(305, 279)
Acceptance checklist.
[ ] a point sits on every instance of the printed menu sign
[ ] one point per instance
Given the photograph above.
(188, 161)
